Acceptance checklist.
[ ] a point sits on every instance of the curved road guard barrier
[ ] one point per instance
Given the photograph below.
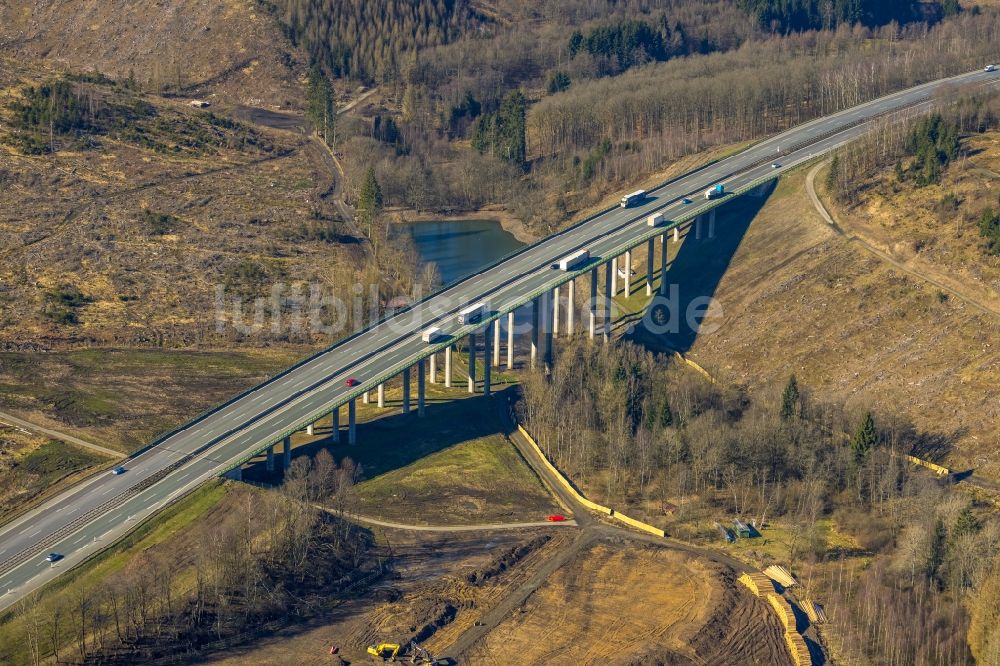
(564, 482)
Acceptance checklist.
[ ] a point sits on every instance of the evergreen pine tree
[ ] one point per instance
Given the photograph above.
(369, 201)
(790, 400)
(865, 437)
(833, 175)
(939, 541)
(966, 523)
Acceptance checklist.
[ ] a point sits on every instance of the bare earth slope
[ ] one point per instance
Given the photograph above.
(227, 47)
(799, 298)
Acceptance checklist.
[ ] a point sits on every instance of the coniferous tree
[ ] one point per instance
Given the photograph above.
(790, 400)
(321, 110)
(865, 437)
(370, 202)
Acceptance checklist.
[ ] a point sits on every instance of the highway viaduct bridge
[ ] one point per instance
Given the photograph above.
(84, 518)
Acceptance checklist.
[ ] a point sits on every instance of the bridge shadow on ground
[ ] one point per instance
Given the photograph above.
(389, 440)
(674, 320)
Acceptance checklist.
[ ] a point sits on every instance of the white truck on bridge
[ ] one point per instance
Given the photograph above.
(472, 314)
(715, 191)
(432, 334)
(655, 220)
(571, 261)
(634, 198)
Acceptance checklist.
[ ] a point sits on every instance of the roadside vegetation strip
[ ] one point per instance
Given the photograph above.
(593, 506)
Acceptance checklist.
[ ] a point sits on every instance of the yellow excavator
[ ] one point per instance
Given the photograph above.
(390, 651)
(386, 651)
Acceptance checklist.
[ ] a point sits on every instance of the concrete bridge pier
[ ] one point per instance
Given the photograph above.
(608, 293)
(472, 362)
(421, 389)
(663, 263)
(697, 227)
(287, 442)
(487, 366)
(677, 234)
(447, 366)
(335, 425)
(433, 364)
(547, 327)
(650, 250)
(592, 305)
(571, 307)
(536, 306)
(310, 430)
(352, 422)
(510, 340)
(628, 273)
(613, 290)
(381, 396)
(711, 223)
(270, 458)
(364, 397)
(406, 391)
(496, 343)
(555, 312)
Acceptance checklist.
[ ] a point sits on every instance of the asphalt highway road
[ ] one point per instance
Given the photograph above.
(81, 520)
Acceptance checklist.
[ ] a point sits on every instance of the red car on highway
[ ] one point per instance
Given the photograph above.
(352, 382)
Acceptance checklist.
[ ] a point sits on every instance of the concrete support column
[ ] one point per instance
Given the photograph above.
(663, 264)
(547, 327)
(309, 430)
(496, 343)
(335, 425)
(571, 307)
(711, 223)
(536, 306)
(487, 366)
(381, 396)
(364, 397)
(352, 423)
(433, 364)
(270, 458)
(406, 391)
(677, 234)
(650, 250)
(421, 389)
(592, 305)
(287, 442)
(613, 291)
(447, 366)
(555, 312)
(608, 279)
(510, 340)
(697, 227)
(628, 273)
(472, 362)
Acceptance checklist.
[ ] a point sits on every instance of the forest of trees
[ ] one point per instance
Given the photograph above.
(643, 118)
(795, 15)
(644, 433)
(367, 39)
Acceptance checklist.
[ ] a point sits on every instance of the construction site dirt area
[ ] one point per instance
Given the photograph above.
(636, 604)
(610, 601)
